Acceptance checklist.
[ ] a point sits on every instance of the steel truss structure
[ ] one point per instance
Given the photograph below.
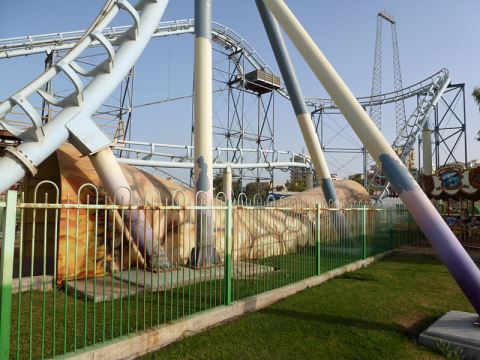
(449, 126)
(375, 111)
(321, 117)
(114, 118)
(90, 87)
(238, 133)
(242, 57)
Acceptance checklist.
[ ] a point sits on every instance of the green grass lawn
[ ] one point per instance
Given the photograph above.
(373, 313)
(54, 323)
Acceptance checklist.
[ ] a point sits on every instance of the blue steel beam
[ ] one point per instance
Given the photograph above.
(461, 266)
(32, 152)
(298, 102)
(74, 120)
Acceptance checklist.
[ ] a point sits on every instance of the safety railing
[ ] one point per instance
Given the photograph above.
(73, 276)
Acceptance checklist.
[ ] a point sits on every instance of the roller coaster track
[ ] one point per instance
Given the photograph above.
(177, 156)
(430, 89)
(74, 120)
(406, 138)
(221, 35)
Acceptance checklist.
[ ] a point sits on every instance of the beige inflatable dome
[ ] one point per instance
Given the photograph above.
(347, 191)
(257, 232)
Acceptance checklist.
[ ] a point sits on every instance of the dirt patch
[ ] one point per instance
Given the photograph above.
(415, 322)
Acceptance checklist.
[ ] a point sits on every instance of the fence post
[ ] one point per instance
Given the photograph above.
(317, 240)
(390, 227)
(228, 253)
(364, 232)
(6, 270)
(407, 234)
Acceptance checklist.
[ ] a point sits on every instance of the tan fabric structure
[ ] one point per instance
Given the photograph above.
(109, 246)
(347, 191)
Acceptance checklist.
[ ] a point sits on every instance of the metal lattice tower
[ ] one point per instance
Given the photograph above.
(376, 110)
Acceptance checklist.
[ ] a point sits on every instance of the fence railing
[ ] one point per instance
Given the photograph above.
(74, 276)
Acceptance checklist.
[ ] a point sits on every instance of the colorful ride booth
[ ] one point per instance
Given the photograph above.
(455, 192)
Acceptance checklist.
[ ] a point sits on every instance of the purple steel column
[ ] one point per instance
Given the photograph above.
(204, 252)
(453, 255)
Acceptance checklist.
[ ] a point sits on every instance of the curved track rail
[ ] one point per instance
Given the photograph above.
(74, 120)
(177, 156)
(221, 34)
(406, 138)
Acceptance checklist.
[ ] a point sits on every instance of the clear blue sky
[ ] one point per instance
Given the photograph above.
(432, 34)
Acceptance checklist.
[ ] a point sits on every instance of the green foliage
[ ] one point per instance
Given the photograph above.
(476, 95)
(217, 183)
(449, 351)
(296, 185)
(357, 178)
(252, 189)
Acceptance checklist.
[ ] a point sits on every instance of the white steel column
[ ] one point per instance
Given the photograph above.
(441, 237)
(427, 151)
(204, 252)
(296, 98)
(227, 183)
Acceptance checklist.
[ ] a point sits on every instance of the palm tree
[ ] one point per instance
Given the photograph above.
(476, 95)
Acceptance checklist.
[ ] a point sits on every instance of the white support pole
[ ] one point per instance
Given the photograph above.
(118, 188)
(202, 92)
(204, 252)
(449, 249)
(227, 183)
(427, 152)
(298, 102)
(309, 180)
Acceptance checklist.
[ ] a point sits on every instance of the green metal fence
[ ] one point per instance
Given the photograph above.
(72, 276)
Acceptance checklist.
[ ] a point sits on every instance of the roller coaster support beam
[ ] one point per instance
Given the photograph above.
(204, 252)
(74, 121)
(296, 97)
(30, 153)
(117, 186)
(227, 183)
(427, 150)
(449, 249)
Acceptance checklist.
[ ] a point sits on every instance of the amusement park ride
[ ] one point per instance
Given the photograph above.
(71, 118)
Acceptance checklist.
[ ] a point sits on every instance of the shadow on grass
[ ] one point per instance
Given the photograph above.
(413, 259)
(357, 276)
(335, 320)
(395, 269)
(412, 330)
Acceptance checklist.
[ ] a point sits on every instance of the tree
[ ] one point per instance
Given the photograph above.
(476, 95)
(217, 183)
(251, 189)
(296, 185)
(358, 178)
